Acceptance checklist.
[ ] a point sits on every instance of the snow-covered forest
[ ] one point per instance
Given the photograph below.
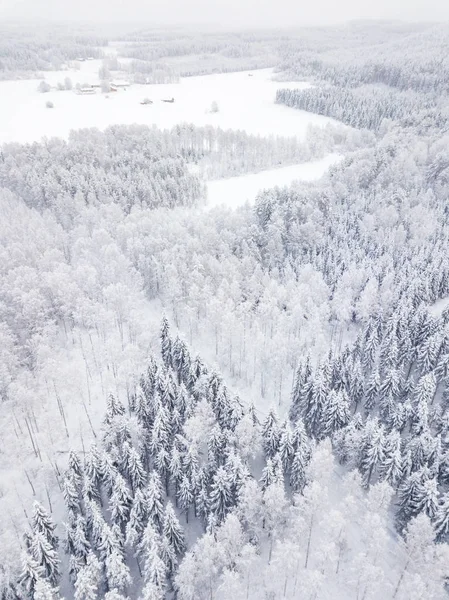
(216, 402)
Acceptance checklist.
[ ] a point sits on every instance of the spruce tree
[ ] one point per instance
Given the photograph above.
(220, 494)
(166, 342)
(441, 522)
(185, 496)
(31, 573)
(154, 498)
(172, 530)
(120, 501)
(46, 557)
(43, 524)
(271, 434)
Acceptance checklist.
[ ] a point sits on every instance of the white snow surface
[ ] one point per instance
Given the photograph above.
(235, 191)
(244, 102)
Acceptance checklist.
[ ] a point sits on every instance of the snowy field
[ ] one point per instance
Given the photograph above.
(235, 191)
(244, 102)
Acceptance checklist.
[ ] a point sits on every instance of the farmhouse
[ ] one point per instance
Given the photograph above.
(119, 84)
(85, 91)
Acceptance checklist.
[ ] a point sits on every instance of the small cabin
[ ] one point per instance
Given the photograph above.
(118, 84)
(85, 91)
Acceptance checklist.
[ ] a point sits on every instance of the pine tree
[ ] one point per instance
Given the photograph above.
(356, 385)
(120, 502)
(316, 401)
(410, 494)
(117, 572)
(286, 448)
(215, 447)
(154, 497)
(268, 475)
(175, 468)
(89, 579)
(155, 570)
(190, 461)
(93, 473)
(172, 530)
(168, 556)
(427, 498)
(31, 573)
(45, 556)
(95, 522)
(166, 342)
(372, 391)
(109, 542)
(220, 494)
(271, 434)
(336, 413)
(202, 497)
(114, 408)
(71, 497)
(373, 450)
(391, 468)
(135, 469)
(442, 519)
(45, 591)
(300, 390)
(80, 542)
(75, 470)
(43, 524)
(138, 518)
(185, 496)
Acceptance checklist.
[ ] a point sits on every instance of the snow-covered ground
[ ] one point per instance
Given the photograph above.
(235, 191)
(244, 102)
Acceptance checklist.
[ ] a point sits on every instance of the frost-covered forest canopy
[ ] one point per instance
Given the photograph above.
(216, 402)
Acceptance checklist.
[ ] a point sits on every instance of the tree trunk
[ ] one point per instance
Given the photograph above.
(308, 542)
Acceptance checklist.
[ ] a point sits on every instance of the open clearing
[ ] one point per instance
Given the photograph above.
(244, 102)
(235, 191)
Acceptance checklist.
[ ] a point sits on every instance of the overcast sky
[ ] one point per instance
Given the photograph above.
(241, 13)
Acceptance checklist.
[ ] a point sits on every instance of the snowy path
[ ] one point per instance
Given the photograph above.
(235, 191)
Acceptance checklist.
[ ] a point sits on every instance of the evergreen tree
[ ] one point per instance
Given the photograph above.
(286, 448)
(185, 496)
(166, 342)
(71, 497)
(43, 524)
(46, 557)
(300, 390)
(114, 408)
(442, 519)
(372, 391)
(316, 401)
(336, 413)
(109, 542)
(30, 575)
(75, 470)
(135, 469)
(138, 518)
(271, 434)
(120, 502)
(427, 498)
(45, 591)
(172, 530)
(220, 494)
(373, 450)
(88, 582)
(391, 468)
(117, 572)
(154, 497)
